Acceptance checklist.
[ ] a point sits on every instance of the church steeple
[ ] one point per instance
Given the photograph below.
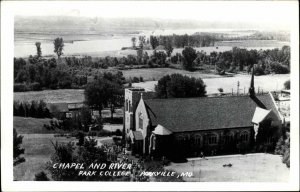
(252, 89)
(252, 92)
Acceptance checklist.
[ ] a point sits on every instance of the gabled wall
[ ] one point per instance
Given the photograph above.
(141, 111)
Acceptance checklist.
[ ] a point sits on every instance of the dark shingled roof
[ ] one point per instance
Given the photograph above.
(57, 107)
(205, 113)
(137, 135)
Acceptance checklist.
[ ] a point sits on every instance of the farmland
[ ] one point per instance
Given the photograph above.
(213, 82)
(258, 167)
(51, 96)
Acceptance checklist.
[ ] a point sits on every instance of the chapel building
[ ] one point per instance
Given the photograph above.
(191, 126)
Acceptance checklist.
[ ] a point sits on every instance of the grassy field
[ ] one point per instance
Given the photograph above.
(263, 83)
(51, 96)
(30, 125)
(38, 150)
(38, 147)
(151, 74)
(245, 168)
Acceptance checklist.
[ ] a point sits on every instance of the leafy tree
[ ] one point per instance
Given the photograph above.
(220, 90)
(87, 153)
(189, 55)
(169, 48)
(179, 86)
(142, 41)
(58, 46)
(41, 176)
(18, 151)
(19, 64)
(133, 40)
(115, 98)
(283, 148)
(80, 137)
(96, 94)
(85, 117)
(38, 49)
(287, 84)
(153, 41)
(63, 154)
(159, 57)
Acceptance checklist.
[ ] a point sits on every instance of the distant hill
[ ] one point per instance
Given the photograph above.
(98, 25)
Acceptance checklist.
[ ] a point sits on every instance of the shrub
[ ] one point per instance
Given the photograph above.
(35, 86)
(283, 148)
(118, 132)
(41, 176)
(258, 70)
(278, 68)
(20, 87)
(287, 84)
(135, 80)
(141, 79)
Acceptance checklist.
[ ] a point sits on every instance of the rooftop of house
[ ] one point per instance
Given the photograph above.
(206, 113)
(57, 107)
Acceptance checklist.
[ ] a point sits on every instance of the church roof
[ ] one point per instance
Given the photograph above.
(205, 113)
(160, 130)
(259, 115)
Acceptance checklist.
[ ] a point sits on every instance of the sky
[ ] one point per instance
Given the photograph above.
(277, 14)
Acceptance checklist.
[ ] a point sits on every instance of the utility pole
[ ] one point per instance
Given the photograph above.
(238, 88)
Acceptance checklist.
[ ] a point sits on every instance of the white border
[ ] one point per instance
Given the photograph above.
(7, 53)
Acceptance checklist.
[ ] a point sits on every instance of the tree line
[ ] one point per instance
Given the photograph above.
(33, 109)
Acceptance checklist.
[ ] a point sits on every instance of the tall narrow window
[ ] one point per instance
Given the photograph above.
(140, 120)
(229, 138)
(198, 140)
(212, 139)
(244, 136)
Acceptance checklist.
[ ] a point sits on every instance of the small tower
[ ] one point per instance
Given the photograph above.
(252, 89)
(132, 98)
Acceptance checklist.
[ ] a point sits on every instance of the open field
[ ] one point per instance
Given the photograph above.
(38, 150)
(151, 74)
(263, 83)
(52, 96)
(258, 167)
(31, 125)
(38, 147)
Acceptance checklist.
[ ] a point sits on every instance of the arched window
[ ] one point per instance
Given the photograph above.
(229, 138)
(197, 140)
(212, 139)
(181, 139)
(244, 136)
(140, 120)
